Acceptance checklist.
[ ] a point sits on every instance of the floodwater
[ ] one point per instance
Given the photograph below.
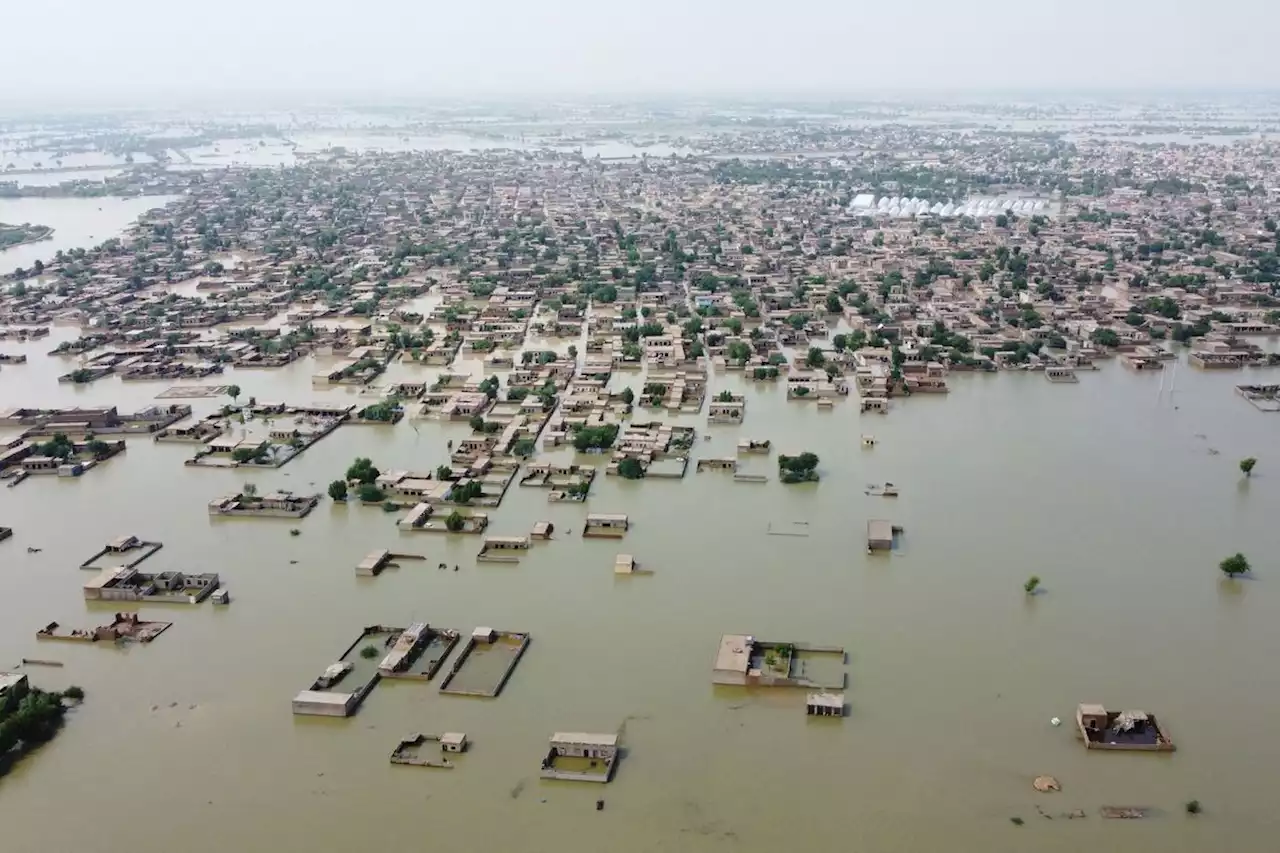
(53, 179)
(606, 148)
(1122, 496)
(76, 223)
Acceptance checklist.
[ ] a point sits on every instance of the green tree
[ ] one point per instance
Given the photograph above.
(455, 521)
(798, 469)
(369, 493)
(245, 455)
(840, 342)
(601, 437)
(74, 693)
(628, 396)
(233, 391)
(249, 490)
(363, 471)
(739, 352)
(524, 447)
(1032, 584)
(1105, 337)
(1234, 565)
(59, 447)
(369, 652)
(631, 469)
(466, 492)
(815, 358)
(338, 490)
(1247, 464)
(476, 422)
(384, 412)
(29, 722)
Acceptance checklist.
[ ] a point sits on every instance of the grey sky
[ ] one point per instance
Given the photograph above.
(122, 49)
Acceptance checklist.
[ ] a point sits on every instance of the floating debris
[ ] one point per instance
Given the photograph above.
(1124, 812)
(1045, 784)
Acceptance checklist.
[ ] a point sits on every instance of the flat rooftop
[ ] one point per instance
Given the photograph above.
(879, 530)
(322, 697)
(734, 654)
(584, 739)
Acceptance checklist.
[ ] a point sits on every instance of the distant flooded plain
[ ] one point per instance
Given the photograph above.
(1121, 493)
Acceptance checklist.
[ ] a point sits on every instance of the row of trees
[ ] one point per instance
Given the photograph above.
(479, 424)
(467, 492)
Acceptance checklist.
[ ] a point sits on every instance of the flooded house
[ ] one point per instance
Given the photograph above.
(744, 661)
(503, 549)
(602, 524)
(1131, 730)
(278, 504)
(408, 645)
(727, 408)
(880, 534)
(581, 757)
(824, 705)
(126, 584)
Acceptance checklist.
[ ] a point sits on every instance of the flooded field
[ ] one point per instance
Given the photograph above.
(77, 223)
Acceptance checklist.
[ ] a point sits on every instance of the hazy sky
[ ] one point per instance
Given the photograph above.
(85, 50)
